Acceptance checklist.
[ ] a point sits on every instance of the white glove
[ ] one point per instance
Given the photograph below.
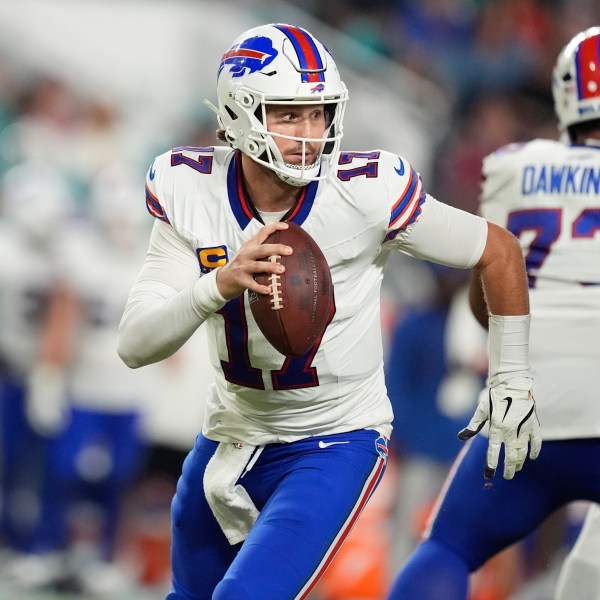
(509, 408)
(46, 402)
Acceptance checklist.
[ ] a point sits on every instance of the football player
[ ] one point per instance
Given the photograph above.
(579, 578)
(547, 193)
(36, 210)
(292, 448)
(97, 444)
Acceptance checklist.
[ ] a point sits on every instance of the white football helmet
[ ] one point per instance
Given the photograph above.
(576, 79)
(285, 65)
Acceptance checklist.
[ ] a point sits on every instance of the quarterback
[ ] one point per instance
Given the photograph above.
(292, 448)
(546, 193)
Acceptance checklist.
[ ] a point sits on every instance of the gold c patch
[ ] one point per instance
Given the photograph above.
(211, 258)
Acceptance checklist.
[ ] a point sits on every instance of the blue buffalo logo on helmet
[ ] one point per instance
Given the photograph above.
(249, 56)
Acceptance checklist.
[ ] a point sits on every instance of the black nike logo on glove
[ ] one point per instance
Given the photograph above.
(508, 405)
(525, 419)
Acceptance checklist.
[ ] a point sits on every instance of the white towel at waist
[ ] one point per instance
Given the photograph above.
(230, 503)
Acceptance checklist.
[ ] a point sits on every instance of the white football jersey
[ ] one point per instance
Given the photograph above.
(548, 194)
(372, 203)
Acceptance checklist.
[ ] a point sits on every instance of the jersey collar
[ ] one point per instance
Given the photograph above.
(243, 208)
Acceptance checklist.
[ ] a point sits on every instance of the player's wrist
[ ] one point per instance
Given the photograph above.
(509, 350)
(225, 288)
(206, 295)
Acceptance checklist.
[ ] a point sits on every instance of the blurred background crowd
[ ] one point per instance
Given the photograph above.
(90, 92)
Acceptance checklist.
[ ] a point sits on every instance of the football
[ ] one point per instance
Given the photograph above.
(295, 312)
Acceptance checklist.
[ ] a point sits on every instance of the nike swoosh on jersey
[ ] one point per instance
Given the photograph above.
(400, 170)
(152, 172)
(323, 444)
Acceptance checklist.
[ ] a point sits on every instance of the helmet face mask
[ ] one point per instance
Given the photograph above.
(576, 80)
(278, 65)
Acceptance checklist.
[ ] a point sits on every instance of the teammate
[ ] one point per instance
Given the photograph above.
(292, 448)
(547, 193)
(36, 209)
(579, 578)
(97, 445)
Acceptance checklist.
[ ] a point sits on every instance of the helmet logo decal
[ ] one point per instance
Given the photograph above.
(251, 55)
(312, 68)
(317, 89)
(588, 63)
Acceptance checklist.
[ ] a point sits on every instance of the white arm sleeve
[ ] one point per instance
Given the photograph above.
(168, 301)
(445, 235)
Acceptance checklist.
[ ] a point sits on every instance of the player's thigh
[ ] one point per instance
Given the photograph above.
(306, 520)
(476, 518)
(200, 552)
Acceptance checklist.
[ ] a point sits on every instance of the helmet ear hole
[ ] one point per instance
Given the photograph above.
(230, 113)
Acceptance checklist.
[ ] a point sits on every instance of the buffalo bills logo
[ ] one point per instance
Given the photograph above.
(317, 89)
(381, 446)
(251, 55)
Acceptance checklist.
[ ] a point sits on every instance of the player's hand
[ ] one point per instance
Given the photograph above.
(47, 408)
(510, 410)
(238, 274)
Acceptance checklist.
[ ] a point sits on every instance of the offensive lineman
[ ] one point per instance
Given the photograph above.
(292, 448)
(547, 193)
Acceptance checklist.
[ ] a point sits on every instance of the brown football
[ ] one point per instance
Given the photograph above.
(295, 313)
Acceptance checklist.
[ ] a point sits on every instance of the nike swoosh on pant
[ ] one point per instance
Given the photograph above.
(323, 444)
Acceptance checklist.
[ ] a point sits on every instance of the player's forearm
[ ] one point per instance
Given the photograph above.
(504, 282)
(477, 301)
(157, 322)
(503, 275)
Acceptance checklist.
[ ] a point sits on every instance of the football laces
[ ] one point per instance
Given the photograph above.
(275, 285)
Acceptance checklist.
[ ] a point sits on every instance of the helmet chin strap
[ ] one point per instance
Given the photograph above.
(300, 181)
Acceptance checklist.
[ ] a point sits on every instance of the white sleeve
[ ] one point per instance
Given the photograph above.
(168, 301)
(445, 235)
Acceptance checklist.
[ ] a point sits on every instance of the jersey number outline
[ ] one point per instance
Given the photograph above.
(296, 371)
(547, 225)
(203, 164)
(369, 169)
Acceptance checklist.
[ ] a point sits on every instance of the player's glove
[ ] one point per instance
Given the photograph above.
(46, 401)
(509, 408)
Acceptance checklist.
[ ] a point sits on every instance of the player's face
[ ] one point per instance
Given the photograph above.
(300, 121)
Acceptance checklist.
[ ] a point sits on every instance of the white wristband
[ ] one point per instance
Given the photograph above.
(508, 348)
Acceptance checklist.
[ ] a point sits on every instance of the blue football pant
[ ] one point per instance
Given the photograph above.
(477, 518)
(308, 497)
(23, 473)
(96, 459)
